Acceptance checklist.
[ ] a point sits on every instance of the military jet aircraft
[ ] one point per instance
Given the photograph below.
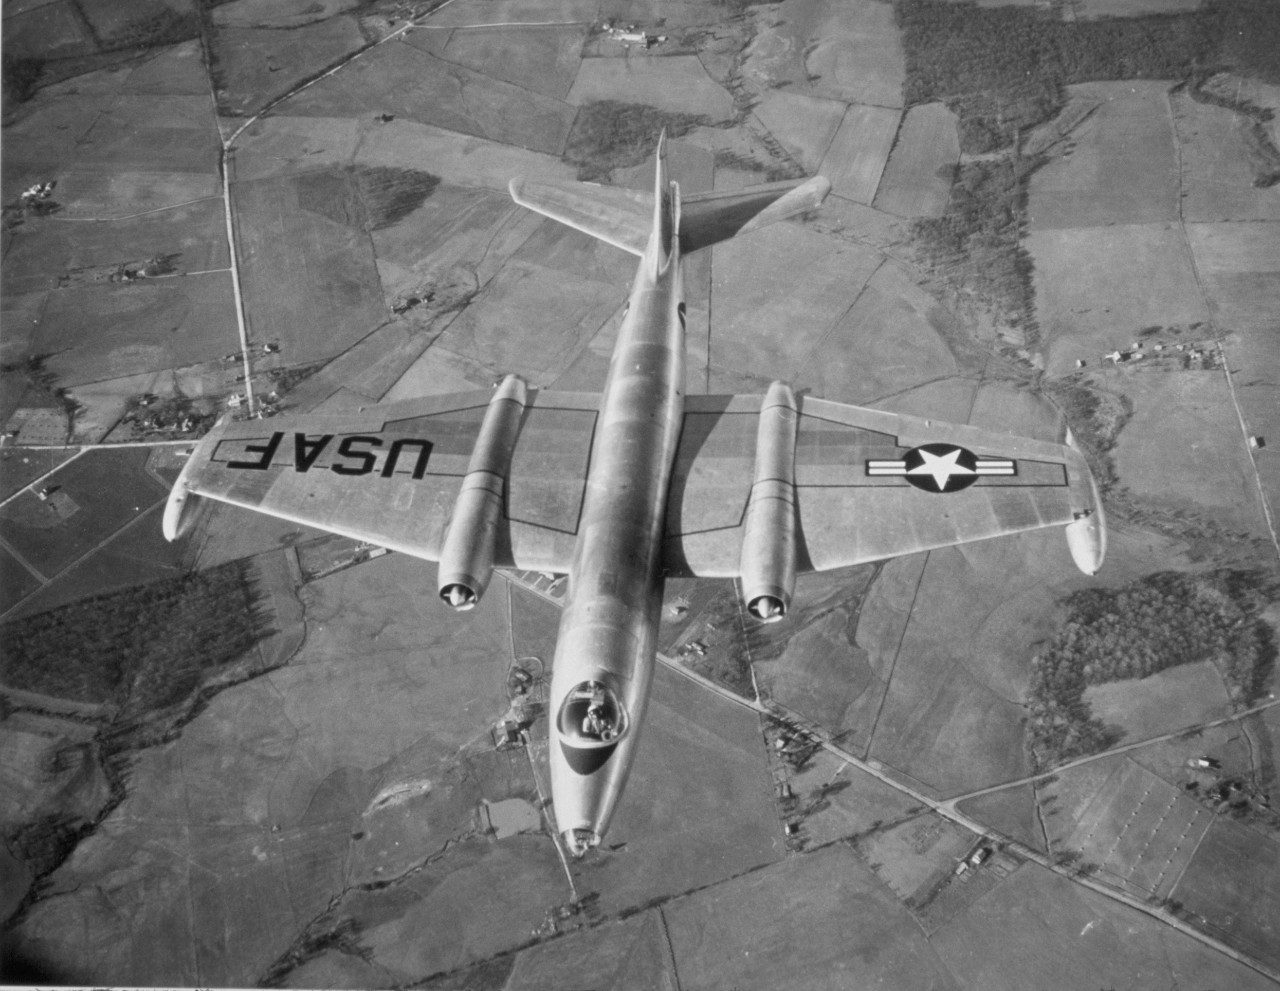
(623, 489)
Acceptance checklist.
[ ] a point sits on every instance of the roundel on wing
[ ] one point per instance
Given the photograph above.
(940, 467)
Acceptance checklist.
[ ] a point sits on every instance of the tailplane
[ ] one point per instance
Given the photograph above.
(628, 218)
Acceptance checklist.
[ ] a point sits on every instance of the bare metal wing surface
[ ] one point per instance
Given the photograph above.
(869, 484)
(393, 474)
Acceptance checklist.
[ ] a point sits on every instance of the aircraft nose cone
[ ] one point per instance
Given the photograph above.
(579, 841)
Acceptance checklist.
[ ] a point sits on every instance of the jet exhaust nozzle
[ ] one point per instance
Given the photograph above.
(767, 608)
(459, 597)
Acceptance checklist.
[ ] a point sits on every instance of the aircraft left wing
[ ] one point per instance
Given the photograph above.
(869, 485)
(391, 474)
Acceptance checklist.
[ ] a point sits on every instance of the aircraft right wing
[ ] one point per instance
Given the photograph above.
(869, 484)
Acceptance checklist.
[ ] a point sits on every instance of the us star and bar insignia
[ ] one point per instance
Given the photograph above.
(940, 467)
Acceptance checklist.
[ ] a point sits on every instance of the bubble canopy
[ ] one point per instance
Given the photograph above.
(591, 716)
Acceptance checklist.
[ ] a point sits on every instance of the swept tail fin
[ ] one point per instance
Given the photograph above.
(666, 212)
(628, 219)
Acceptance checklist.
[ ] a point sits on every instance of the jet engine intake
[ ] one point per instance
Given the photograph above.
(767, 563)
(467, 554)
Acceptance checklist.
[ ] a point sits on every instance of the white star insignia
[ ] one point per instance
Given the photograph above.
(941, 467)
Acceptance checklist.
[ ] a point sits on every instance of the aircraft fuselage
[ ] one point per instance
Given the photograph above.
(607, 640)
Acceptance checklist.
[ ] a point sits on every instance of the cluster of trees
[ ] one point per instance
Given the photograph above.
(976, 240)
(391, 194)
(1160, 621)
(609, 134)
(1002, 69)
(142, 648)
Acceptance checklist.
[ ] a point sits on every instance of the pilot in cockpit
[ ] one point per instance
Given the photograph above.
(596, 723)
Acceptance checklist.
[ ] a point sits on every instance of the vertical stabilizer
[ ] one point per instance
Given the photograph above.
(666, 212)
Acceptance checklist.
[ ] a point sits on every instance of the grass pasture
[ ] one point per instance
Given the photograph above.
(1119, 166)
(108, 486)
(544, 60)
(1011, 811)
(169, 71)
(191, 236)
(399, 79)
(885, 343)
(149, 132)
(953, 715)
(855, 51)
(1039, 930)
(1182, 453)
(1095, 288)
(838, 801)
(819, 921)
(309, 280)
(16, 581)
(1220, 165)
(114, 196)
(675, 84)
(813, 665)
(768, 317)
(859, 151)
(1146, 707)
(1234, 884)
(48, 30)
(252, 66)
(531, 320)
(1137, 830)
(144, 326)
(917, 178)
(911, 857)
(804, 125)
(629, 953)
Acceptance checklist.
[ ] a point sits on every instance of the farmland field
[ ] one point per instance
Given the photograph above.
(310, 278)
(144, 326)
(857, 154)
(1146, 707)
(917, 178)
(1234, 883)
(106, 485)
(1120, 165)
(256, 65)
(675, 83)
(1039, 930)
(820, 921)
(1010, 810)
(402, 81)
(804, 125)
(1183, 452)
(856, 53)
(544, 60)
(1097, 287)
(1218, 165)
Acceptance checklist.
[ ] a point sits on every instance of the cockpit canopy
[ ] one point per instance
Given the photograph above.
(591, 716)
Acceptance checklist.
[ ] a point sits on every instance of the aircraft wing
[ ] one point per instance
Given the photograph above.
(390, 474)
(871, 485)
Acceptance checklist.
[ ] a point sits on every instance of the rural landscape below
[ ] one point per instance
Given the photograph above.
(268, 756)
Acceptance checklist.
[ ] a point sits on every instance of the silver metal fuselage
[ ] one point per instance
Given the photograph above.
(608, 629)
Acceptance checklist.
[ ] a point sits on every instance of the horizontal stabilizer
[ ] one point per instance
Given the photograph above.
(621, 217)
(708, 218)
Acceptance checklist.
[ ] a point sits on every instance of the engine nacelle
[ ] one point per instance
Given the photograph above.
(767, 563)
(466, 556)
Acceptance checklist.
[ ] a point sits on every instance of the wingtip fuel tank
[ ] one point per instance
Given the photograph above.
(1087, 533)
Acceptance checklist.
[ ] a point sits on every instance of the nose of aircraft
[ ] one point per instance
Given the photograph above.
(579, 841)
